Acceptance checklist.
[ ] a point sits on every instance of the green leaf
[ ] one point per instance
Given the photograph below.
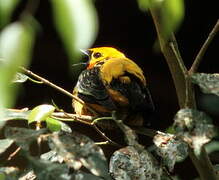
(5, 144)
(53, 124)
(6, 10)
(144, 4)
(76, 22)
(209, 83)
(16, 42)
(40, 113)
(171, 13)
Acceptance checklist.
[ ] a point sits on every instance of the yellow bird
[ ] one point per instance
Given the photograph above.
(113, 82)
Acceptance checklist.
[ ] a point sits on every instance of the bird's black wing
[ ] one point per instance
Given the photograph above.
(137, 93)
(91, 89)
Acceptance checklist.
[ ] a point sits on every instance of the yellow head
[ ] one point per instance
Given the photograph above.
(101, 54)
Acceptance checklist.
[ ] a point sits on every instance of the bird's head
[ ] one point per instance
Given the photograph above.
(99, 55)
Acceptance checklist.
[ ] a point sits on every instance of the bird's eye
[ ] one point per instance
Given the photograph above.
(97, 55)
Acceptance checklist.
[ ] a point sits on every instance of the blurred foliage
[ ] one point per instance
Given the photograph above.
(40, 113)
(16, 43)
(76, 22)
(171, 13)
(6, 10)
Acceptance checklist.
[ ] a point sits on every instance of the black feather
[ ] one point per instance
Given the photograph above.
(92, 90)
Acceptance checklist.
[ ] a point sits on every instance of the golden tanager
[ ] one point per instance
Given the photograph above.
(113, 82)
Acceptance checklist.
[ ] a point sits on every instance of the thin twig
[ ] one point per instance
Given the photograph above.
(174, 63)
(45, 81)
(175, 49)
(105, 137)
(63, 116)
(102, 143)
(85, 120)
(203, 49)
(14, 153)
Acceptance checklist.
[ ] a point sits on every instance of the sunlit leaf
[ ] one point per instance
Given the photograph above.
(170, 149)
(28, 175)
(76, 22)
(6, 10)
(209, 83)
(78, 150)
(52, 156)
(5, 144)
(40, 113)
(129, 163)
(9, 173)
(195, 126)
(53, 124)
(16, 42)
(20, 78)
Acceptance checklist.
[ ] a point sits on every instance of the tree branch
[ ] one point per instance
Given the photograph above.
(203, 164)
(174, 60)
(203, 49)
(184, 87)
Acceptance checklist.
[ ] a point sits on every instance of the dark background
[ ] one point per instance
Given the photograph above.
(124, 26)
